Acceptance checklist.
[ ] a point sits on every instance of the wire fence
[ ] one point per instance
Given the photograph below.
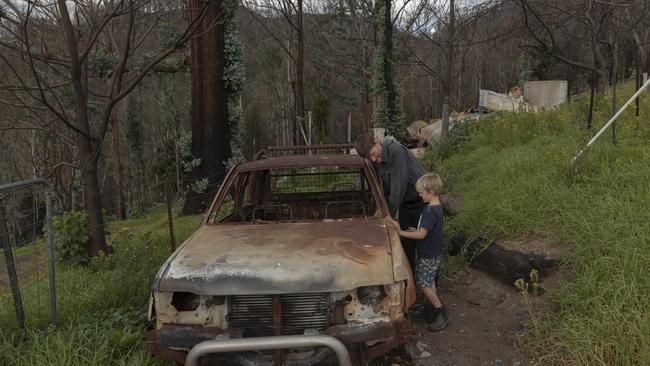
(28, 293)
(26, 240)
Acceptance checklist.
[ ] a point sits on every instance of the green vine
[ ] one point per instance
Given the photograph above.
(234, 76)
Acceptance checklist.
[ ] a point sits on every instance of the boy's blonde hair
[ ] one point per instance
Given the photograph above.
(430, 182)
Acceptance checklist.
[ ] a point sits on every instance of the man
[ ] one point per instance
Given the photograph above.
(398, 170)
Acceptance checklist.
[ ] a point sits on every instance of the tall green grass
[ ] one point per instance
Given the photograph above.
(102, 307)
(515, 179)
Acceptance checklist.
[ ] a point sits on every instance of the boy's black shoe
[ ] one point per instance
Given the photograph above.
(428, 313)
(440, 319)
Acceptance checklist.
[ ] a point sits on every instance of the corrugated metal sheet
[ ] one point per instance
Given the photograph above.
(494, 101)
(546, 93)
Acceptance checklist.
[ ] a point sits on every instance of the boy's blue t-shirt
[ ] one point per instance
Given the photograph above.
(430, 219)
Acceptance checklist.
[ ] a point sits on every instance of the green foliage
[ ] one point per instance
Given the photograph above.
(524, 68)
(234, 76)
(321, 123)
(101, 63)
(515, 180)
(458, 137)
(75, 344)
(170, 32)
(71, 237)
(134, 131)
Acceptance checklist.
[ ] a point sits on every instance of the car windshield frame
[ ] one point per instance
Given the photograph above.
(348, 162)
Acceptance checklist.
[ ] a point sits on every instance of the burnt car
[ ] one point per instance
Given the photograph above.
(291, 245)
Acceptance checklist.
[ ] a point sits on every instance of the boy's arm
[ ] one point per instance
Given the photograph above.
(410, 234)
(418, 234)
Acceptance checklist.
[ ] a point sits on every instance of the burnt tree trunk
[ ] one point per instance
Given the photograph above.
(120, 211)
(592, 95)
(391, 95)
(505, 265)
(210, 132)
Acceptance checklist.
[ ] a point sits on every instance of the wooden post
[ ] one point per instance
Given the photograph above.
(309, 128)
(638, 85)
(170, 217)
(349, 126)
(613, 82)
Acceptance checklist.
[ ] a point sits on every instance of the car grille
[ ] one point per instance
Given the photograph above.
(254, 313)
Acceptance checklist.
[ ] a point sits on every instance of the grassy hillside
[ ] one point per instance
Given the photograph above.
(515, 179)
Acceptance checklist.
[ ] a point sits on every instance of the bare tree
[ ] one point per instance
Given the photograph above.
(283, 20)
(586, 22)
(55, 60)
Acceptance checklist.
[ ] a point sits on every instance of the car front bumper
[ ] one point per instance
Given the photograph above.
(365, 342)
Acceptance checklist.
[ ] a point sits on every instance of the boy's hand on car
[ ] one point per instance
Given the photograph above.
(393, 223)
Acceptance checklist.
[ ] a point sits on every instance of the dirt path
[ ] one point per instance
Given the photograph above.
(27, 266)
(484, 318)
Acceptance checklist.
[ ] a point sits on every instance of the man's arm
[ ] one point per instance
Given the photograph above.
(399, 174)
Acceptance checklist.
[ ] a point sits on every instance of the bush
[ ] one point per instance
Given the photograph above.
(71, 237)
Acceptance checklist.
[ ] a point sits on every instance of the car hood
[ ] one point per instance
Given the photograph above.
(280, 258)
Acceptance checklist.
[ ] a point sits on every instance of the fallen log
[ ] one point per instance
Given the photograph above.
(505, 265)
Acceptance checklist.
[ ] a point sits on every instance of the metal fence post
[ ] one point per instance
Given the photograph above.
(50, 256)
(11, 268)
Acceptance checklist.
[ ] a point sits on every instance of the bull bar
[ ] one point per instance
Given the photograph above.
(269, 343)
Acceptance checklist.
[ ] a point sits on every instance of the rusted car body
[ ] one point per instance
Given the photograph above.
(292, 245)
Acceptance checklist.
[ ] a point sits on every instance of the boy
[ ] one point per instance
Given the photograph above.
(429, 248)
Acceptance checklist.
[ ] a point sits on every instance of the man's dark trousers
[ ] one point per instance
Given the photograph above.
(409, 215)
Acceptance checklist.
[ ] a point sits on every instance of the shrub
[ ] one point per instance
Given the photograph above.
(71, 237)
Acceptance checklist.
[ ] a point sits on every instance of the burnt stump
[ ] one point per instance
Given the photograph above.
(503, 264)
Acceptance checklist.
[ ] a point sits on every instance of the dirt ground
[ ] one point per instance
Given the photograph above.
(484, 318)
(27, 266)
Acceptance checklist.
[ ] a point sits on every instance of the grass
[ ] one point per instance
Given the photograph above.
(514, 175)
(102, 308)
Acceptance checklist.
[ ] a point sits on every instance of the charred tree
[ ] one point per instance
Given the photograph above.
(120, 210)
(210, 132)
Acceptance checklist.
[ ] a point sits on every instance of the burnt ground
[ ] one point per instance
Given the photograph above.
(486, 317)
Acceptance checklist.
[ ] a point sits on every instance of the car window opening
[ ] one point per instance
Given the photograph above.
(297, 194)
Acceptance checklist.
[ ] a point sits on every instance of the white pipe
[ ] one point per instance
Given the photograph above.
(611, 120)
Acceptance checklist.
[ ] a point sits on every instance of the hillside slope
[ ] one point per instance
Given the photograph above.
(514, 177)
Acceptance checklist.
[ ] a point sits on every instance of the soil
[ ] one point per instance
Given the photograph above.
(486, 317)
